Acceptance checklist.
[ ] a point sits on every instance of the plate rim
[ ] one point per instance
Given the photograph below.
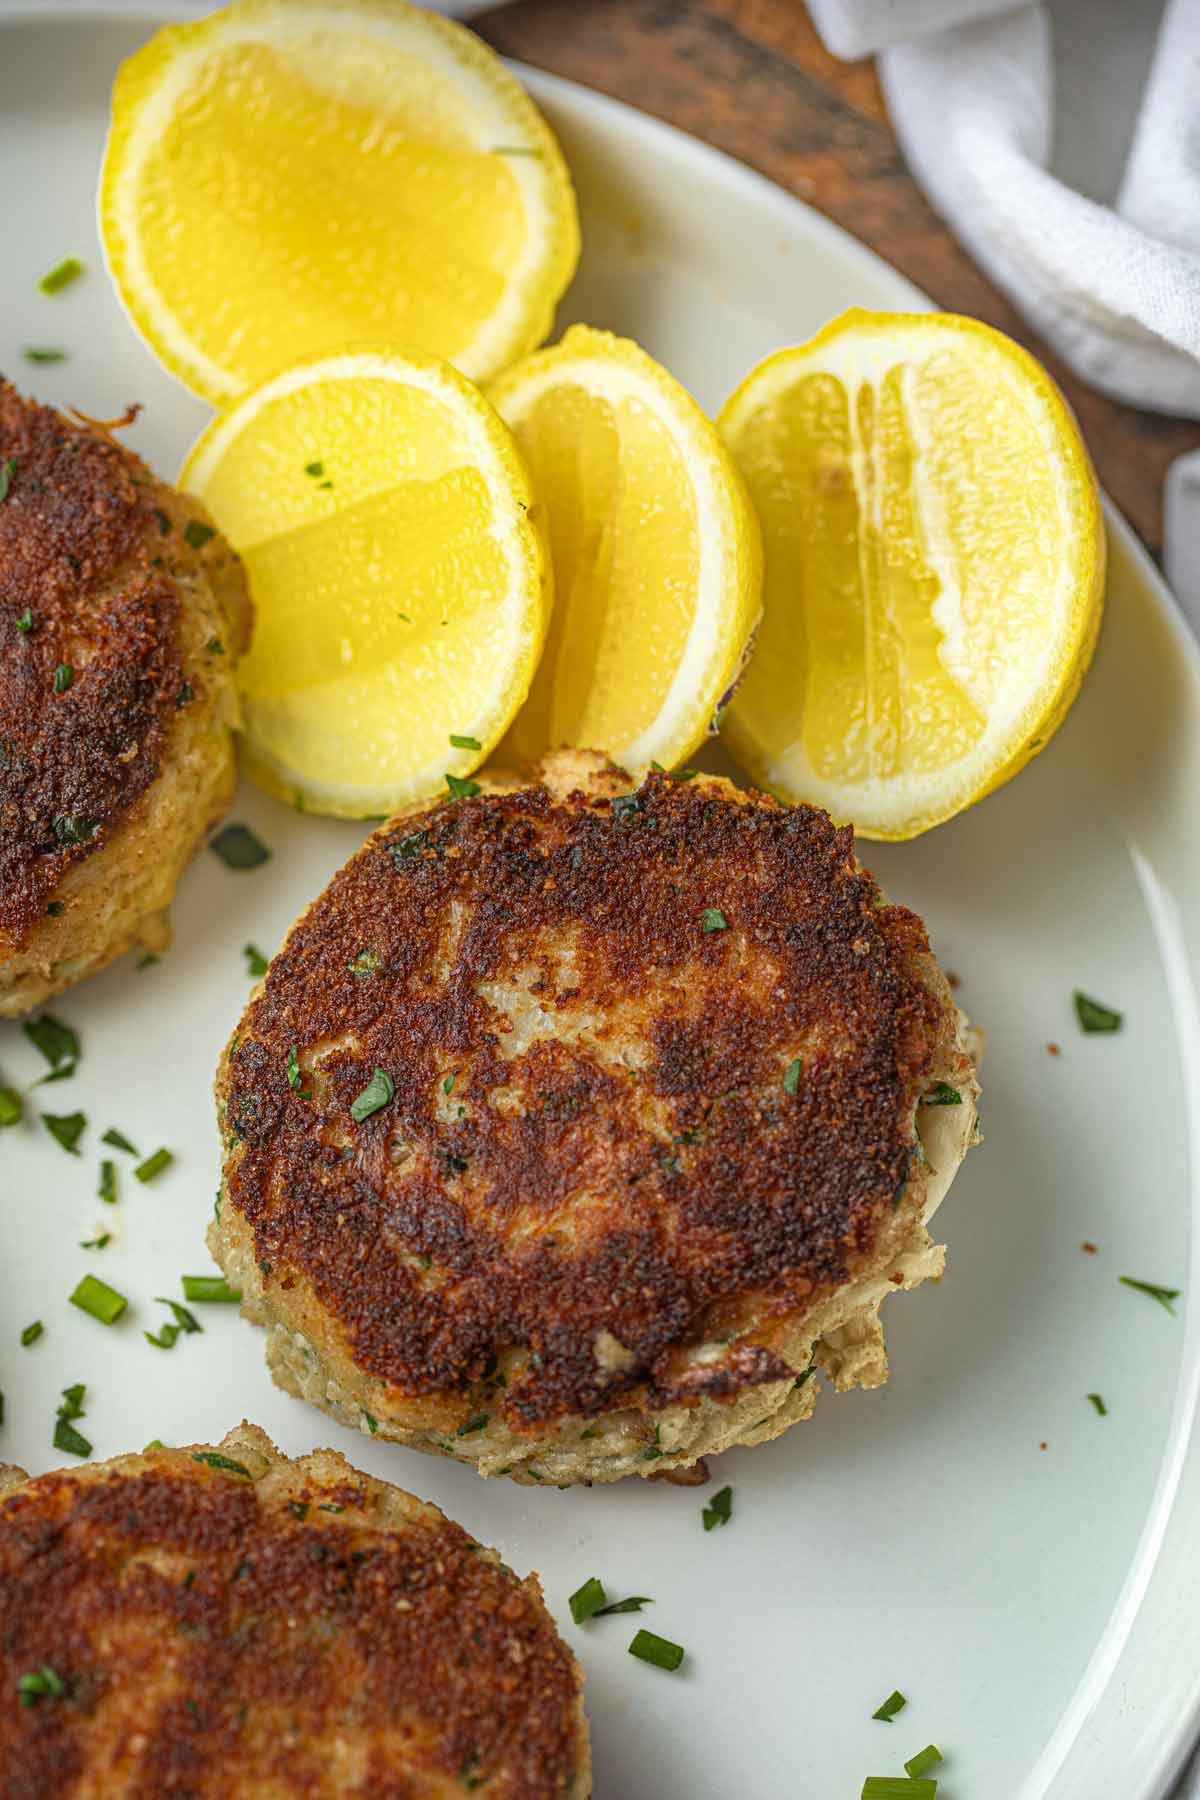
(1104, 1677)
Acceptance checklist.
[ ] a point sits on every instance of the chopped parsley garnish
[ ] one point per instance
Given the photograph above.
(7, 470)
(294, 1077)
(474, 1424)
(56, 1041)
(197, 533)
(256, 962)
(184, 1322)
(365, 963)
(315, 469)
(96, 1243)
(660, 1651)
(96, 1298)
(107, 1187)
(1097, 1401)
(10, 1107)
(64, 675)
(147, 961)
(378, 1091)
(25, 621)
(32, 1333)
(941, 1094)
(215, 1460)
(238, 847)
(61, 275)
(209, 1288)
(119, 1141)
(895, 1702)
(448, 1084)
(928, 1758)
(73, 828)
(713, 919)
(461, 742)
(40, 1684)
(897, 1787)
(1164, 1295)
(1093, 1015)
(587, 1600)
(462, 790)
(372, 1423)
(65, 1435)
(154, 1164)
(633, 1604)
(719, 1510)
(791, 1075)
(66, 1129)
(35, 354)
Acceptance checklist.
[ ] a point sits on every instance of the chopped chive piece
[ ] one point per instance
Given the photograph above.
(329, 1506)
(462, 790)
(372, 1423)
(65, 1435)
(165, 1339)
(1164, 1295)
(40, 1684)
(1093, 1015)
(897, 1787)
(56, 1041)
(587, 1600)
(61, 275)
(657, 1650)
(791, 1075)
(238, 847)
(197, 533)
(895, 1702)
(941, 1094)
(928, 1758)
(378, 1091)
(365, 963)
(66, 1129)
(64, 675)
(634, 1603)
(146, 961)
(215, 1460)
(119, 1141)
(96, 1243)
(205, 1289)
(314, 469)
(713, 919)
(32, 1333)
(154, 1165)
(474, 1424)
(25, 621)
(294, 1077)
(34, 354)
(10, 1107)
(7, 470)
(71, 1405)
(256, 962)
(185, 1320)
(1097, 1401)
(73, 828)
(97, 1298)
(448, 1084)
(720, 1509)
(462, 742)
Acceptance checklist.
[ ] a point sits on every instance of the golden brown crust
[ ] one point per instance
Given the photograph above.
(87, 557)
(292, 1629)
(607, 1190)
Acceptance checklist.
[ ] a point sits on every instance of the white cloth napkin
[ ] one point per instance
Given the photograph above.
(1062, 144)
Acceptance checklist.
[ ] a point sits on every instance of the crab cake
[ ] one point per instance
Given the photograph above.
(573, 1126)
(122, 612)
(227, 1623)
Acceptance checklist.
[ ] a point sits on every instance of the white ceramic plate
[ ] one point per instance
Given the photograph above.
(1038, 1606)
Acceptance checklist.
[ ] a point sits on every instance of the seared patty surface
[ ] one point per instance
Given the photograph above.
(651, 1063)
(121, 614)
(224, 1622)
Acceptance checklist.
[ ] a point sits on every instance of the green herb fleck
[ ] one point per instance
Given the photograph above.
(65, 1435)
(256, 962)
(1094, 1016)
(372, 1423)
(146, 962)
(294, 1076)
(35, 354)
(100, 1301)
(895, 1702)
(118, 1140)
(25, 621)
(66, 1129)
(40, 1684)
(941, 1094)
(238, 847)
(462, 790)
(107, 1189)
(365, 963)
(154, 1164)
(32, 1333)
(1097, 1401)
(64, 675)
(928, 1758)
(210, 1289)
(74, 828)
(1164, 1295)
(791, 1075)
(61, 275)
(215, 1460)
(720, 1509)
(660, 1651)
(713, 919)
(11, 1107)
(448, 1084)
(378, 1091)
(634, 1604)
(587, 1600)
(197, 533)
(476, 1423)
(55, 1041)
(7, 470)
(464, 743)
(315, 469)
(96, 1243)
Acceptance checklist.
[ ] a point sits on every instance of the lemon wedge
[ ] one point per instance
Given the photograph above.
(656, 553)
(934, 567)
(400, 582)
(281, 181)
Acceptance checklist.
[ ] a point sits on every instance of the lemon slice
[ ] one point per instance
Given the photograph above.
(656, 553)
(934, 567)
(400, 584)
(285, 180)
